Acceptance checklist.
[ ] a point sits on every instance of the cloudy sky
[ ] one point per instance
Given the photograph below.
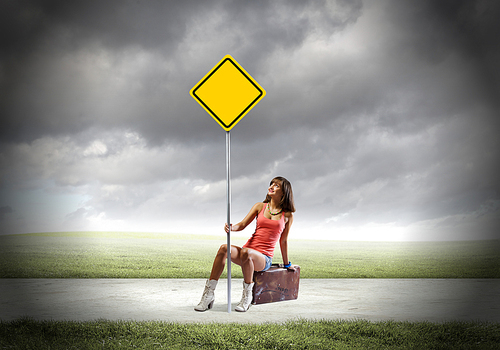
(384, 115)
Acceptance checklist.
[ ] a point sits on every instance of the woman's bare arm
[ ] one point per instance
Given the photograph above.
(247, 220)
(284, 238)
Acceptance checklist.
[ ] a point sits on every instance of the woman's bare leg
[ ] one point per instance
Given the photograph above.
(249, 260)
(220, 261)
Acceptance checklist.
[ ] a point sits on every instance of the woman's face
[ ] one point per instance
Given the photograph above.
(275, 191)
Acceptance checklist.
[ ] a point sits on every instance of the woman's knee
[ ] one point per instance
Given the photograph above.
(244, 254)
(222, 249)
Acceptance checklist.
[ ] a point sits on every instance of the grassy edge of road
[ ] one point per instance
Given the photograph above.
(299, 334)
(156, 255)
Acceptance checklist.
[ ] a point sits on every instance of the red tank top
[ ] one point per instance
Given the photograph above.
(267, 233)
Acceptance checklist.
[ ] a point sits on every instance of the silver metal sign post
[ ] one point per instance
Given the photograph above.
(212, 92)
(228, 200)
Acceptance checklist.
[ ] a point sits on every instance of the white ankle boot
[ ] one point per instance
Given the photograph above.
(208, 297)
(246, 298)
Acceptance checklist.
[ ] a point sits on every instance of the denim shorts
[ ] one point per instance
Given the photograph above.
(269, 262)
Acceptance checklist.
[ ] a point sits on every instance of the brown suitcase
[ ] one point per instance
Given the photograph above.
(276, 284)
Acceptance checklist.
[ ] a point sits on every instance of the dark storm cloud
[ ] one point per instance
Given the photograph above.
(378, 112)
(5, 210)
(435, 30)
(47, 92)
(466, 27)
(39, 33)
(27, 25)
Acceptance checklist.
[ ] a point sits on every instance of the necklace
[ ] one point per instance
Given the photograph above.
(269, 207)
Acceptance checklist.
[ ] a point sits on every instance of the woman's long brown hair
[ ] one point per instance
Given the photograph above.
(286, 202)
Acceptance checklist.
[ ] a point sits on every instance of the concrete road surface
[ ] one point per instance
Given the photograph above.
(173, 300)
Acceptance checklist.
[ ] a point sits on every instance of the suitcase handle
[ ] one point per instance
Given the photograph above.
(282, 266)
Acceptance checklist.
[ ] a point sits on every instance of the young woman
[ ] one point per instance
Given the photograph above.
(274, 219)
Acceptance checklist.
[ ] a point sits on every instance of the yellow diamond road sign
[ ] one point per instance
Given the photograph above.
(227, 92)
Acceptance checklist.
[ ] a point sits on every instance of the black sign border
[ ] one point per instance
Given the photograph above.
(235, 120)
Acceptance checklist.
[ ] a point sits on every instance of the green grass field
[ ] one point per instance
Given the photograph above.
(301, 334)
(155, 255)
(146, 255)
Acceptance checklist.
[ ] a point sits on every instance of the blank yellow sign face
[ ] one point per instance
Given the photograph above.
(227, 92)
